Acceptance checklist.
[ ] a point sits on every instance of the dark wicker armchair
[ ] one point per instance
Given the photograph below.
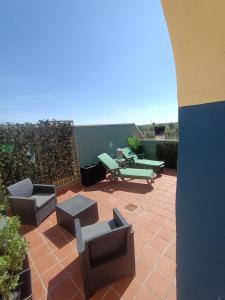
(32, 202)
(106, 251)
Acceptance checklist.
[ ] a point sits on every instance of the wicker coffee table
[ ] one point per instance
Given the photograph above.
(76, 207)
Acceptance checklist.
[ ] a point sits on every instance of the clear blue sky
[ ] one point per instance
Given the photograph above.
(91, 61)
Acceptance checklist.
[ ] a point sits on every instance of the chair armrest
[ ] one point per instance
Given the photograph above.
(25, 208)
(118, 218)
(43, 188)
(22, 203)
(141, 155)
(131, 160)
(79, 237)
(22, 199)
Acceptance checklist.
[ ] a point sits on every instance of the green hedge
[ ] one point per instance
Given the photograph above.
(45, 152)
(3, 196)
(168, 152)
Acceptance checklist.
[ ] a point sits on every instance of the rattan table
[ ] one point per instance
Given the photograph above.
(76, 207)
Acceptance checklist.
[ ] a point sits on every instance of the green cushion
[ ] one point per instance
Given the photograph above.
(137, 173)
(150, 163)
(108, 161)
(128, 153)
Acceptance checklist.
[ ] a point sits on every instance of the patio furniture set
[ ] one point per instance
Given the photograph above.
(106, 249)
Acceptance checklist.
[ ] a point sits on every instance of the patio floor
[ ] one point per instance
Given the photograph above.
(53, 254)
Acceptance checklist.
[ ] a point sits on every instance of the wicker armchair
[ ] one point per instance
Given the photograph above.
(106, 251)
(32, 202)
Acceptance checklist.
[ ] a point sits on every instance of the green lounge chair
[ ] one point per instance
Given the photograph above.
(117, 172)
(132, 157)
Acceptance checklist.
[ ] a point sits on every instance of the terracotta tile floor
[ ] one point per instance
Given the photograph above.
(53, 255)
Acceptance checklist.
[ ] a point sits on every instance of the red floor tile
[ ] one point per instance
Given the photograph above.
(159, 219)
(71, 262)
(32, 235)
(38, 289)
(38, 253)
(45, 263)
(65, 289)
(34, 273)
(171, 252)
(150, 255)
(77, 277)
(36, 243)
(158, 244)
(167, 266)
(142, 233)
(63, 252)
(57, 242)
(159, 284)
(153, 227)
(138, 245)
(172, 293)
(127, 287)
(53, 276)
(145, 294)
(53, 254)
(111, 295)
(78, 296)
(142, 269)
(100, 293)
(166, 233)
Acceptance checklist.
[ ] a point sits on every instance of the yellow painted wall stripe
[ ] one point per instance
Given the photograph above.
(197, 32)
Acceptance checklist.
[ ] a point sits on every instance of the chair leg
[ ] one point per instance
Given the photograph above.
(114, 177)
(150, 182)
(122, 178)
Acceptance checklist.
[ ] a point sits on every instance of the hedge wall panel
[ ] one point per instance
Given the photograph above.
(45, 152)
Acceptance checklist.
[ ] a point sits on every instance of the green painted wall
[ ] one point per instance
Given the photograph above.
(93, 140)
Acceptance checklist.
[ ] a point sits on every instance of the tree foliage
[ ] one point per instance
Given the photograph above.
(171, 130)
(133, 143)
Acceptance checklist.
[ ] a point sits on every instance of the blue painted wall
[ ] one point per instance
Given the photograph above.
(95, 139)
(200, 204)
